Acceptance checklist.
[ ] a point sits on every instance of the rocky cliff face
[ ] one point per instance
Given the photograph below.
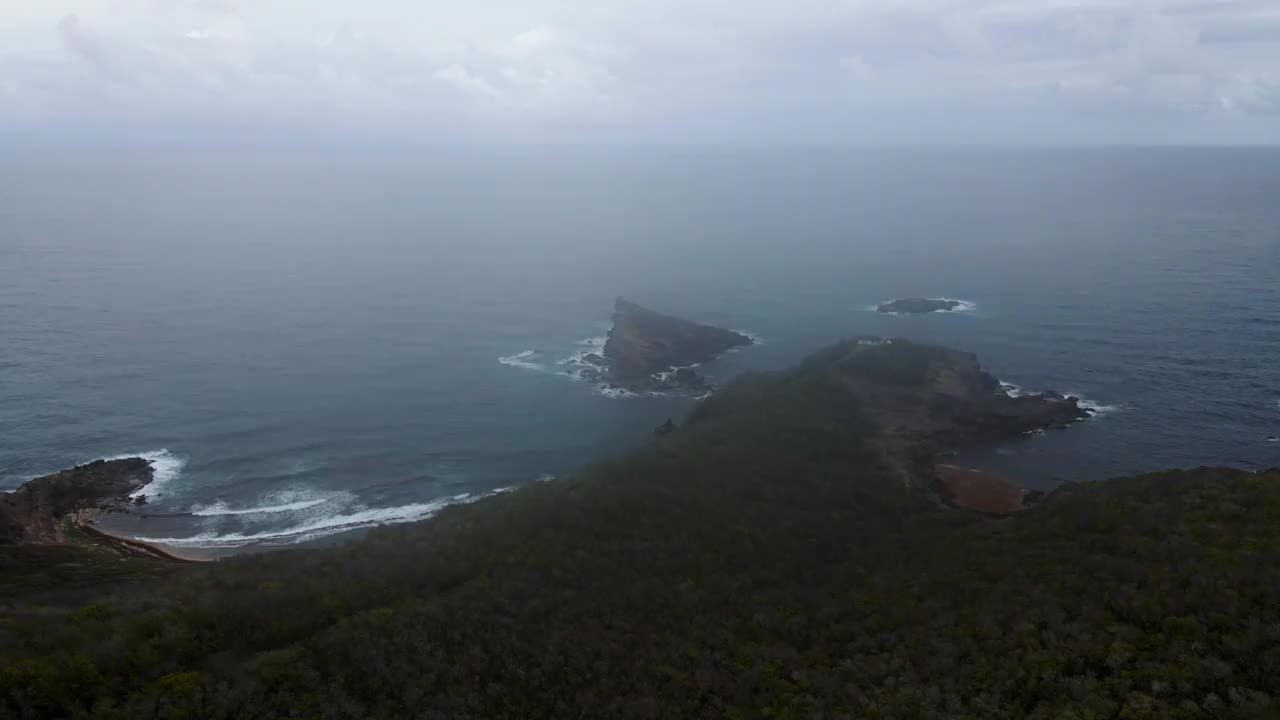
(643, 342)
(34, 513)
(649, 351)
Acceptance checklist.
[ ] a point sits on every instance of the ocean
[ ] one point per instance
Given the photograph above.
(311, 344)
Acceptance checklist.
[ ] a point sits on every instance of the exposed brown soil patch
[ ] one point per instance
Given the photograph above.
(980, 490)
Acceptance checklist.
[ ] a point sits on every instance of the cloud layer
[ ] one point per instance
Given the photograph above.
(748, 71)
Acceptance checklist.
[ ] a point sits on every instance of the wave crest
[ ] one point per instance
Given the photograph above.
(221, 508)
(165, 466)
(353, 518)
(526, 359)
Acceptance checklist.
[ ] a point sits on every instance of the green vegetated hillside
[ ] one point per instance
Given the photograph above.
(761, 562)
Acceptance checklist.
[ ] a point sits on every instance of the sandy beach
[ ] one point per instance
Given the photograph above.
(131, 546)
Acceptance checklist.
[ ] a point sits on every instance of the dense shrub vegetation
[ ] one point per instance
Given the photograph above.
(759, 563)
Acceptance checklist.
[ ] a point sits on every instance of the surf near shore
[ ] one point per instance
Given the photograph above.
(132, 546)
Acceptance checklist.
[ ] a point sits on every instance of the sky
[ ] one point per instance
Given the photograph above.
(859, 72)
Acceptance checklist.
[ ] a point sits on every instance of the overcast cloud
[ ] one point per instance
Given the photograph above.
(740, 71)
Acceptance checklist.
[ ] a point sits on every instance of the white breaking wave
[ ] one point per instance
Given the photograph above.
(580, 369)
(221, 508)
(577, 367)
(668, 375)
(321, 526)
(534, 360)
(310, 530)
(165, 468)
(1098, 409)
(617, 393)
(331, 524)
(590, 346)
(964, 306)
(524, 359)
(1011, 389)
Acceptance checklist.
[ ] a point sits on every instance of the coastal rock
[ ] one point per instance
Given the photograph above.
(914, 306)
(665, 428)
(34, 513)
(680, 379)
(648, 351)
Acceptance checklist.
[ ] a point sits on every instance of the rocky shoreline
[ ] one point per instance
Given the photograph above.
(40, 509)
(55, 509)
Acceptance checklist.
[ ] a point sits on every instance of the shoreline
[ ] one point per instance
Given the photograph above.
(138, 548)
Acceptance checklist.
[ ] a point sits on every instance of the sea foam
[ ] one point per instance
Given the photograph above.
(331, 523)
(1011, 389)
(1098, 409)
(318, 527)
(577, 367)
(165, 468)
(526, 359)
(221, 508)
(587, 346)
(964, 306)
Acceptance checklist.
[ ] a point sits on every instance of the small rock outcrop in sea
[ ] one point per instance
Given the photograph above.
(650, 352)
(665, 428)
(37, 511)
(915, 306)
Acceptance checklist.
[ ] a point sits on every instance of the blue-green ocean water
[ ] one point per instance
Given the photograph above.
(315, 343)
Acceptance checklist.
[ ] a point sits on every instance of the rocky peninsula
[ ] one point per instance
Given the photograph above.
(927, 402)
(39, 510)
(61, 508)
